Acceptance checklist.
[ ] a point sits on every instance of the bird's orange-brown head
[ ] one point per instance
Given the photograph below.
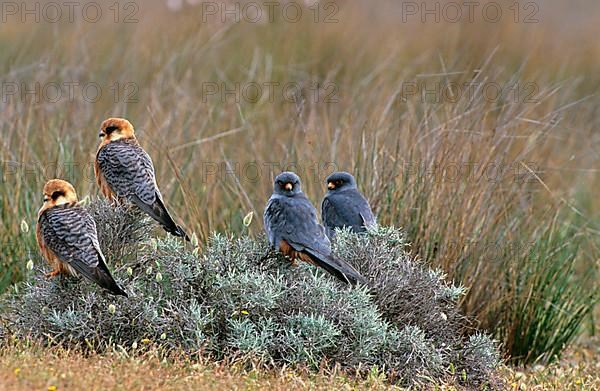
(58, 192)
(114, 129)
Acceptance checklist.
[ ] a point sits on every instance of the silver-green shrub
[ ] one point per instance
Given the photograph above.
(237, 300)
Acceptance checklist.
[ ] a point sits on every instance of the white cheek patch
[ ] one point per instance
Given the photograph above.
(114, 136)
(61, 201)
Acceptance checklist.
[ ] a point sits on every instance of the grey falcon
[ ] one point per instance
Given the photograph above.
(344, 206)
(292, 227)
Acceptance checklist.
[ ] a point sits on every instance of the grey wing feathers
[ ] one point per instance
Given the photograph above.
(366, 214)
(295, 220)
(159, 213)
(129, 172)
(347, 209)
(331, 218)
(70, 232)
(368, 218)
(271, 220)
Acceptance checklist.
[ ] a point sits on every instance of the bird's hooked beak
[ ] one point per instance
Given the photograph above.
(101, 134)
(330, 185)
(289, 186)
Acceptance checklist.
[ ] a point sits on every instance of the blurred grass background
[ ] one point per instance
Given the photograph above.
(500, 192)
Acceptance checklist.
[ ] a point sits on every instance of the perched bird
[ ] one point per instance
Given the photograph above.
(67, 237)
(344, 206)
(292, 227)
(124, 171)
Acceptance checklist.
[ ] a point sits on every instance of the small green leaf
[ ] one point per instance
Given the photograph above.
(24, 226)
(248, 219)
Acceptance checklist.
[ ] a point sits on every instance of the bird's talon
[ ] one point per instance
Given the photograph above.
(52, 274)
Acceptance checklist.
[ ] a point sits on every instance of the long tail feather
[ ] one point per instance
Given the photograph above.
(337, 267)
(99, 275)
(159, 212)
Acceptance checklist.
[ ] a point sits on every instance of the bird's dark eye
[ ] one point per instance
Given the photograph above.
(57, 194)
(338, 182)
(110, 129)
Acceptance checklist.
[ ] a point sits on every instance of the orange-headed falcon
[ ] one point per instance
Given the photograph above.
(124, 171)
(67, 237)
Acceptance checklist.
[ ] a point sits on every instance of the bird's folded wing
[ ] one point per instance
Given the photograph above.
(70, 232)
(128, 170)
(295, 220)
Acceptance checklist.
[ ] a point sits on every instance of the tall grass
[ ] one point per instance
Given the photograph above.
(546, 297)
(476, 181)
